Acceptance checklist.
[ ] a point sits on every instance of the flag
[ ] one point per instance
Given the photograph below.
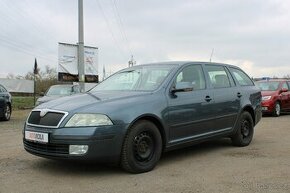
(35, 70)
(104, 72)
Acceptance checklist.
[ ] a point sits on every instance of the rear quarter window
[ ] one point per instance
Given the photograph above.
(242, 78)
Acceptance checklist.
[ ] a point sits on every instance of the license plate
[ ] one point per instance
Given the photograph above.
(36, 136)
(264, 108)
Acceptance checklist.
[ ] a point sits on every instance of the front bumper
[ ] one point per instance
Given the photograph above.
(104, 143)
(268, 106)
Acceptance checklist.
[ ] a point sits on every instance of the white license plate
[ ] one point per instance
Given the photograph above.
(36, 136)
(264, 108)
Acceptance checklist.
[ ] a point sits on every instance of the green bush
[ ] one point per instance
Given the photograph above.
(22, 102)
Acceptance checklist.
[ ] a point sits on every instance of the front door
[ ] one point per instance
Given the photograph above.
(190, 112)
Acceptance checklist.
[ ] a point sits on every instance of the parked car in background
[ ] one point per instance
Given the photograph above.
(5, 104)
(139, 112)
(57, 91)
(275, 96)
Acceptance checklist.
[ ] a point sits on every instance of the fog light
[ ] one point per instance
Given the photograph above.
(78, 149)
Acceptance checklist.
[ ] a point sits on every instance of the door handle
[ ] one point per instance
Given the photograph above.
(208, 99)
(239, 95)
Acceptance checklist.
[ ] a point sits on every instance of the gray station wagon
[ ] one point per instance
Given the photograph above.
(142, 111)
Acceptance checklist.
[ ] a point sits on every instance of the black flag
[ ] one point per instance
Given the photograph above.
(35, 70)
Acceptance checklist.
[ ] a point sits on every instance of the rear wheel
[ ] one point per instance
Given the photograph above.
(142, 148)
(244, 131)
(277, 110)
(7, 113)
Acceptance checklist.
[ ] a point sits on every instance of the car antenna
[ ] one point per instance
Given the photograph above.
(211, 54)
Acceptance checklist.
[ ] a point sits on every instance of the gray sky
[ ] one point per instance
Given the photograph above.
(252, 34)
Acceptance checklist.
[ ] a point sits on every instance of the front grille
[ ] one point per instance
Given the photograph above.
(50, 119)
(47, 148)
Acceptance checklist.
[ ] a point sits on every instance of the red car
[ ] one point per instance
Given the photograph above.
(275, 96)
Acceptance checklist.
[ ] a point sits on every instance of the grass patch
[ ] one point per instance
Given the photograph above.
(22, 102)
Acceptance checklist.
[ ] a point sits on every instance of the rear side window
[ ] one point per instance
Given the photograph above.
(285, 86)
(218, 76)
(242, 78)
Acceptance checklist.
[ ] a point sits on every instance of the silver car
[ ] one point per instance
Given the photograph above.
(57, 91)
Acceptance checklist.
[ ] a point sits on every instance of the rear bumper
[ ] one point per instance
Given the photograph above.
(258, 114)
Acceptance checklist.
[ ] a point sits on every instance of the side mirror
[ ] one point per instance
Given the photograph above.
(41, 94)
(284, 90)
(182, 87)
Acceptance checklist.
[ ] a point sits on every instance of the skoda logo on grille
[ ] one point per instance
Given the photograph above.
(43, 112)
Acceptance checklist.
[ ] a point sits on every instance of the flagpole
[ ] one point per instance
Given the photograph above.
(34, 89)
(35, 71)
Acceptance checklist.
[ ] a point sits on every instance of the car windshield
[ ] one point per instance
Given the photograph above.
(143, 78)
(59, 91)
(268, 86)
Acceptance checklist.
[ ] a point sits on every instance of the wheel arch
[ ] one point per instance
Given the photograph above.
(156, 121)
(249, 109)
(10, 105)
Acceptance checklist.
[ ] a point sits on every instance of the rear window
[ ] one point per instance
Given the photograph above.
(268, 86)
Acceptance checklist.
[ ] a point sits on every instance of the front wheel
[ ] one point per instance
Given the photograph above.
(244, 131)
(7, 113)
(142, 148)
(277, 109)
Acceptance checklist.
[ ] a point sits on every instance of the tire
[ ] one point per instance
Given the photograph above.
(7, 113)
(142, 148)
(244, 131)
(277, 110)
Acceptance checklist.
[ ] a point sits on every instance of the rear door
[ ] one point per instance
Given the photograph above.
(226, 97)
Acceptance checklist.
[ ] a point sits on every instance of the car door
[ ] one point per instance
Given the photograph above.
(189, 111)
(226, 97)
(285, 96)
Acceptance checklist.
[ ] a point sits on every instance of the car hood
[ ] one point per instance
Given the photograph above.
(86, 100)
(268, 93)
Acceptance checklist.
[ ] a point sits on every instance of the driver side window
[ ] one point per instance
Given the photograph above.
(194, 75)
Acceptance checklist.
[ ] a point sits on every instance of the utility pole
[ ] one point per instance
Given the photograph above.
(81, 58)
(132, 62)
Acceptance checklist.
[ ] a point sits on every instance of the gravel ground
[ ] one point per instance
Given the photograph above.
(214, 166)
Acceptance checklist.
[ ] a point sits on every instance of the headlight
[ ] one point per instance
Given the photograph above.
(265, 98)
(83, 120)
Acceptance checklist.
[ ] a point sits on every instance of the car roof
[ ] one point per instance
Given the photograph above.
(180, 63)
